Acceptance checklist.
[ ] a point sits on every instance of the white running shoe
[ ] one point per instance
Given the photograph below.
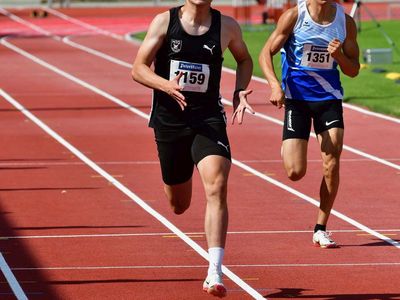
(214, 286)
(322, 239)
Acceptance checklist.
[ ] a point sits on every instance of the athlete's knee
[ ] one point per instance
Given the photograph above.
(295, 174)
(216, 188)
(179, 209)
(331, 167)
(179, 205)
(178, 198)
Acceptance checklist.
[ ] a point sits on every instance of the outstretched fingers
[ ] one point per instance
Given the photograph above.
(241, 108)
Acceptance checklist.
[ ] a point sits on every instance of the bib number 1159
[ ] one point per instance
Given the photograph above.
(194, 76)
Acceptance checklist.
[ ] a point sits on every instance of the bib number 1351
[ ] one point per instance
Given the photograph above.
(316, 57)
(194, 76)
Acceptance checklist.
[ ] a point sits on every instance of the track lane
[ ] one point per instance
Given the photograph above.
(64, 247)
(257, 90)
(50, 41)
(250, 185)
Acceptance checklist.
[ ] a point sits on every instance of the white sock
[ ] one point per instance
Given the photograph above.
(216, 255)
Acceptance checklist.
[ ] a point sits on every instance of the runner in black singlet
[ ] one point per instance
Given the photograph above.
(186, 45)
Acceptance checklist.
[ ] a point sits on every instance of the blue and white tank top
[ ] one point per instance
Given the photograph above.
(308, 71)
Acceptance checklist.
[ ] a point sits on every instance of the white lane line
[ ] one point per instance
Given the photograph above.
(316, 203)
(127, 192)
(84, 24)
(156, 162)
(12, 281)
(74, 79)
(75, 163)
(347, 105)
(225, 101)
(158, 234)
(234, 161)
(28, 24)
(371, 113)
(346, 147)
(255, 78)
(112, 59)
(372, 264)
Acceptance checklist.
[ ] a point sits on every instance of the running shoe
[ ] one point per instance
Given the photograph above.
(322, 239)
(214, 286)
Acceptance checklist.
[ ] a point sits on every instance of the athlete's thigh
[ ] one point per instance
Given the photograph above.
(174, 152)
(210, 139)
(331, 142)
(297, 122)
(294, 155)
(326, 115)
(214, 170)
(211, 152)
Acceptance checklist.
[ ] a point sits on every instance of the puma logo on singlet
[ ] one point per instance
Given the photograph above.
(209, 49)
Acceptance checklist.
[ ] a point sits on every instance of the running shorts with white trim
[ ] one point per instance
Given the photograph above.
(299, 114)
(179, 150)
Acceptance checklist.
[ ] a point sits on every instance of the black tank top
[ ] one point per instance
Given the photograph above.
(199, 58)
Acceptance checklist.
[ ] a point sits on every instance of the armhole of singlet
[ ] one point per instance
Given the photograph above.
(217, 22)
(172, 14)
(300, 5)
(343, 13)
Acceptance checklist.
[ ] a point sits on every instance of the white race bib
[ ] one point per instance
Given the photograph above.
(316, 57)
(195, 76)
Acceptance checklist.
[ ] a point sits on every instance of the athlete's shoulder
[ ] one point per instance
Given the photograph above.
(228, 21)
(229, 25)
(291, 14)
(162, 18)
(351, 27)
(288, 20)
(349, 20)
(161, 21)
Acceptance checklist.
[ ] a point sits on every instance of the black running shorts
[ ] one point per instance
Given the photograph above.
(299, 113)
(180, 149)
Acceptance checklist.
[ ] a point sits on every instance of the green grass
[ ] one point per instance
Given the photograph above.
(140, 35)
(368, 89)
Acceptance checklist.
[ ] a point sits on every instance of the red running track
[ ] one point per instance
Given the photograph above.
(68, 233)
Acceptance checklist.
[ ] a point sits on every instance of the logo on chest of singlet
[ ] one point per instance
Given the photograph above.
(176, 45)
(209, 48)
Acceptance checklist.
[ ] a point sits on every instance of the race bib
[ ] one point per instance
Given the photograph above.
(195, 76)
(316, 57)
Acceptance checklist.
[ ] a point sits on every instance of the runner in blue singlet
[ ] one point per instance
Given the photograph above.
(315, 37)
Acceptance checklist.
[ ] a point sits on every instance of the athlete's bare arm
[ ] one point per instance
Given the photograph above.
(274, 43)
(141, 71)
(231, 38)
(346, 54)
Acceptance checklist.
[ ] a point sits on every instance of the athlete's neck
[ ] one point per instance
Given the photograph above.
(322, 12)
(195, 19)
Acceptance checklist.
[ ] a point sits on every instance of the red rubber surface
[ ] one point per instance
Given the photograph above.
(67, 233)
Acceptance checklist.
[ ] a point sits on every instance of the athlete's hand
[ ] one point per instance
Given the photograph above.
(277, 97)
(173, 89)
(240, 105)
(334, 48)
